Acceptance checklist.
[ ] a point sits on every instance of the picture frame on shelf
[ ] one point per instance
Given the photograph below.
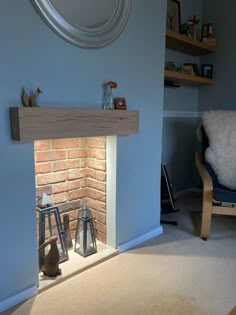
(187, 69)
(207, 71)
(173, 17)
(120, 103)
(195, 68)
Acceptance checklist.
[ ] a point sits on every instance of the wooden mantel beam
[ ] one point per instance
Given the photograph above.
(37, 123)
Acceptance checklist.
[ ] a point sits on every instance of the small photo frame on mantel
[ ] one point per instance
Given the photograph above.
(120, 103)
(173, 19)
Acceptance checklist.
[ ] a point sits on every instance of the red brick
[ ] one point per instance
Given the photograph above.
(101, 217)
(74, 184)
(77, 194)
(100, 227)
(91, 173)
(78, 173)
(43, 156)
(43, 168)
(73, 225)
(95, 164)
(97, 154)
(97, 195)
(101, 176)
(91, 153)
(83, 162)
(66, 186)
(69, 207)
(101, 155)
(65, 143)
(91, 163)
(77, 153)
(82, 143)
(57, 188)
(42, 145)
(65, 165)
(96, 143)
(59, 198)
(96, 184)
(97, 205)
(51, 178)
(101, 237)
(93, 213)
(73, 215)
(83, 183)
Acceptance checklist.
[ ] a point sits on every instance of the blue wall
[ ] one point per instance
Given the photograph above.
(33, 55)
(186, 97)
(221, 95)
(179, 145)
(179, 130)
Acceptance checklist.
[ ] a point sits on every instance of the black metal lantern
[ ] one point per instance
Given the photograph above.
(50, 225)
(85, 242)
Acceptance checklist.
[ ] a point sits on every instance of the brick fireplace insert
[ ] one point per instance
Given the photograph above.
(71, 172)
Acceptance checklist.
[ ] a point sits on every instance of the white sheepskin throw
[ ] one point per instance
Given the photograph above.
(220, 127)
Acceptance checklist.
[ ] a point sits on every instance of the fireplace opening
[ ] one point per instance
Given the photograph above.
(73, 172)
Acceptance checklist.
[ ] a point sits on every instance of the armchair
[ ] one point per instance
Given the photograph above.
(216, 165)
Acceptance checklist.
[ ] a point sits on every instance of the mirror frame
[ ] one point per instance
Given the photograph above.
(85, 38)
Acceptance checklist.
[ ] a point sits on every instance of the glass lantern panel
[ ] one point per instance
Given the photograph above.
(85, 243)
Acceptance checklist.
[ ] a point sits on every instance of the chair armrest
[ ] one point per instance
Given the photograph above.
(206, 178)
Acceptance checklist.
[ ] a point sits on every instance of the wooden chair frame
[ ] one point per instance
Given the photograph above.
(208, 207)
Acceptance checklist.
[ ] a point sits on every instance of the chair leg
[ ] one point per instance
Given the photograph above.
(206, 215)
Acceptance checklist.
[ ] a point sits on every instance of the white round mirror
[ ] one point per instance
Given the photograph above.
(86, 23)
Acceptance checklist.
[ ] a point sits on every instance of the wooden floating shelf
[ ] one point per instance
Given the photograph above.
(29, 124)
(186, 79)
(187, 45)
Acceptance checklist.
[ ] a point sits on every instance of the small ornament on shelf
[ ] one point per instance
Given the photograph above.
(207, 34)
(108, 102)
(30, 100)
(194, 68)
(172, 67)
(187, 69)
(192, 29)
(120, 103)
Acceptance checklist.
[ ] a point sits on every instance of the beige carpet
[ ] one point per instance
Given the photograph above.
(174, 274)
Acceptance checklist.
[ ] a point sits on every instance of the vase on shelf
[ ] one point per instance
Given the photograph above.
(108, 102)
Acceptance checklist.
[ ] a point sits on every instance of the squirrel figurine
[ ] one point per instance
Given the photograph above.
(30, 101)
(51, 262)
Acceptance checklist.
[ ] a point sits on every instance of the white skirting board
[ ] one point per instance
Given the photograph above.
(126, 246)
(18, 298)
